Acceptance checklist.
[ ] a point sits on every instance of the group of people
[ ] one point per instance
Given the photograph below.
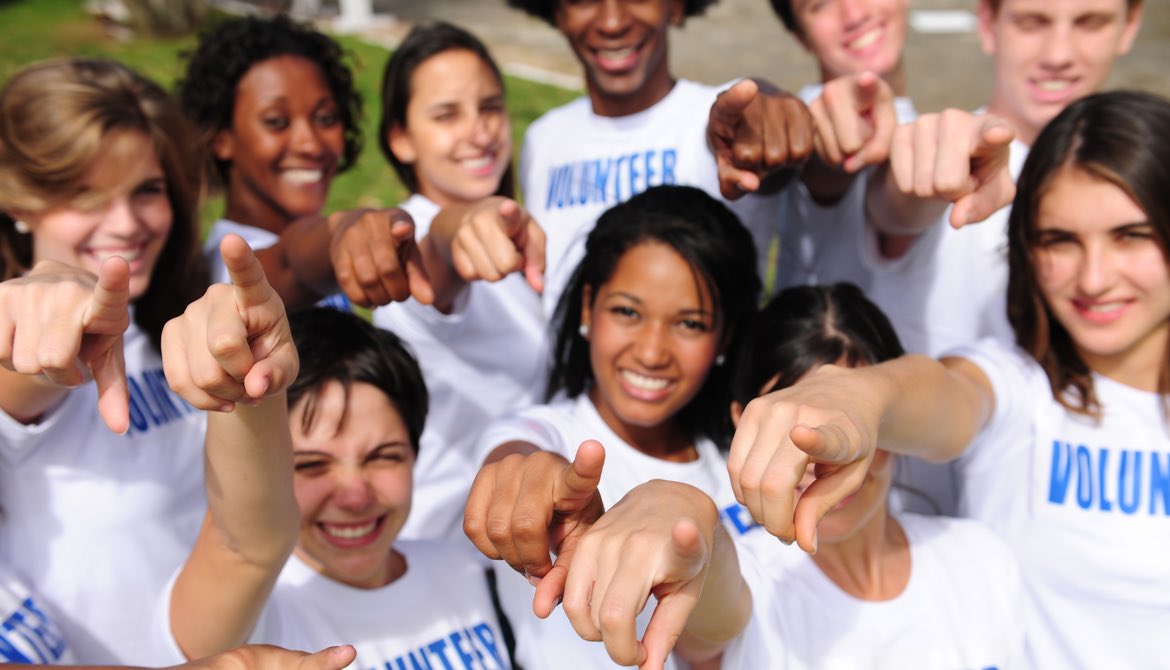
(912, 450)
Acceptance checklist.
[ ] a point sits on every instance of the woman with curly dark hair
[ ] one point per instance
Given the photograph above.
(275, 103)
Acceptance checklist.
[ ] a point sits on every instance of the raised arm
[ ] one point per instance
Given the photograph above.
(760, 136)
(662, 539)
(58, 325)
(231, 353)
(951, 158)
(836, 416)
(487, 241)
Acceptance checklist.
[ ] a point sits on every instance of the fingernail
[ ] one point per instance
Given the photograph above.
(227, 407)
(814, 548)
(532, 579)
(557, 602)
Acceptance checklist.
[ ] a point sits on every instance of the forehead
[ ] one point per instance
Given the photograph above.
(359, 422)
(125, 160)
(655, 271)
(285, 76)
(452, 72)
(1074, 198)
(1062, 7)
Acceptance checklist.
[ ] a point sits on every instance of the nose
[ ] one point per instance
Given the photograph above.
(1098, 270)
(119, 217)
(653, 346)
(484, 128)
(305, 139)
(353, 491)
(853, 12)
(1057, 48)
(614, 18)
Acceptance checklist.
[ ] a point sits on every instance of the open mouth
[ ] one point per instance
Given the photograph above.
(302, 176)
(352, 534)
(865, 39)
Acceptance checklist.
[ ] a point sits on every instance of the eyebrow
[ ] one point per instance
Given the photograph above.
(638, 301)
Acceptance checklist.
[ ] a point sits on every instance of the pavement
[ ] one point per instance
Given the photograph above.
(743, 37)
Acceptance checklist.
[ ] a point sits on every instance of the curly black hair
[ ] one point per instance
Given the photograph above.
(546, 9)
(227, 51)
(783, 9)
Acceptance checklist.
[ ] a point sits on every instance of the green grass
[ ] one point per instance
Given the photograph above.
(32, 30)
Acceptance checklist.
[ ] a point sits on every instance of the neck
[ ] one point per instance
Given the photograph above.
(1140, 368)
(250, 209)
(640, 101)
(872, 564)
(665, 441)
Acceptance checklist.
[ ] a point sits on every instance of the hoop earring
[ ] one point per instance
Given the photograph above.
(21, 227)
(583, 331)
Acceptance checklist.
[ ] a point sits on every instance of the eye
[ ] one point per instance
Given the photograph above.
(151, 188)
(310, 467)
(695, 325)
(327, 118)
(1030, 22)
(276, 122)
(1135, 234)
(624, 312)
(494, 106)
(1094, 21)
(388, 455)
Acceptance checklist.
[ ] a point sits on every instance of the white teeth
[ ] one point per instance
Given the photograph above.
(477, 163)
(866, 39)
(298, 176)
(1053, 85)
(350, 532)
(1104, 307)
(643, 382)
(129, 255)
(616, 54)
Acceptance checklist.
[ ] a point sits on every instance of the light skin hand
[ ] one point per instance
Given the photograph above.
(375, 258)
(754, 131)
(655, 541)
(524, 505)
(233, 344)
(65, 324)
(855, 121)
(268, 657)
(956, 157)
(819, 420)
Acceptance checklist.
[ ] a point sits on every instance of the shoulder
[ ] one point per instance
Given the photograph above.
(555, 118)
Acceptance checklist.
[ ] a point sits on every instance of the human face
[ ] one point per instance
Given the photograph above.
(1050, 53)
(622, 45)
(123, 210)
(1104, 276)
(853, 36)
(284, 143)
(353, 484)
(653, 334)
(457, 136)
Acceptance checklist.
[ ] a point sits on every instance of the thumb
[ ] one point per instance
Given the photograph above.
(418, 281)
(333, 658)
(577, 483)
(108, 312)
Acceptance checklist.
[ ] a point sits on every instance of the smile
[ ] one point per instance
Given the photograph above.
(302, 176)
(351, 534)
(865, 40)
(643, 382)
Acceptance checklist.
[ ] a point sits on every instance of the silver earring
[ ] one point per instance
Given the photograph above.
(720, 360)
(583, 331)
(21, 227)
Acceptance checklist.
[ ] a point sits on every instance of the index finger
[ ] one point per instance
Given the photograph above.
(418, 282)
(244, 268)
(729, 106)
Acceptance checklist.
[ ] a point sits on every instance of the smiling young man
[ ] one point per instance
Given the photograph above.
(636, 127)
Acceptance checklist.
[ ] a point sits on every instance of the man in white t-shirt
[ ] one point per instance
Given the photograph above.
(638, 126)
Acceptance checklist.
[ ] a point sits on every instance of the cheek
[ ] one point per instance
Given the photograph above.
(311, 495)
(395, 487)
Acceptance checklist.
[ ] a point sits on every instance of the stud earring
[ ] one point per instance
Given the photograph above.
(583, 331)
(720, 360)
(21, 227)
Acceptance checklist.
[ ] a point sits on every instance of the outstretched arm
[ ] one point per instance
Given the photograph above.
(247, 657)
(952, 158)
(484, 241)
(855, 122)
(370, 254)
(837, 416)
(760, 136)
(58, 325)
(662, 539)
(231, 353)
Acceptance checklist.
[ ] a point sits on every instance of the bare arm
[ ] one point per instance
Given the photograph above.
(231, 353)
(912, 405)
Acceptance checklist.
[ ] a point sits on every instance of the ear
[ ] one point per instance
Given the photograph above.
(1133, 21)
(987, 36)
(401, 145)
(223, 145)
(678, 12)
(736, 412)
(587, 306)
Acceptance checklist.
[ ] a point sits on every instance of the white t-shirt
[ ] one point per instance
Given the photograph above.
(437, 615)
(483, 360)
(826, 244)
(257, 238)
(560, 427)
(962, 607)
(27, 633)
(576, 164)
(97, 522)
(1085, 506)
